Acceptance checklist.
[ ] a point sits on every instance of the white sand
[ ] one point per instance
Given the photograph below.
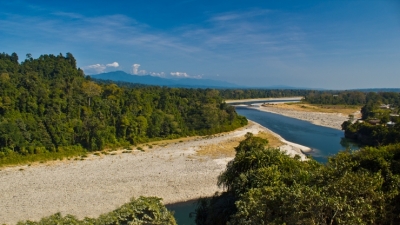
(100, 184)
(332, 120)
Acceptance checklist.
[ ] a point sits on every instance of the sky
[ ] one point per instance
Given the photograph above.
(315, 44)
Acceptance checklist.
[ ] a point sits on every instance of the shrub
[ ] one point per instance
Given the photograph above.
(144, 210)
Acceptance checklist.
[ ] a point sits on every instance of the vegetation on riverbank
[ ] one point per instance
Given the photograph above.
(144, 210)
(265, 186)
(380, 124)
(316, 97)
(360, 187)
(50, 110)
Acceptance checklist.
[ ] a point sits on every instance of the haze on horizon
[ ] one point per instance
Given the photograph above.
(314, 44)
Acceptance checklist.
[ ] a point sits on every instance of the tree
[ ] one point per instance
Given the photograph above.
(91, 89)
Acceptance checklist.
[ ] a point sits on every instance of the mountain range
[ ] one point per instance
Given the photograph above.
(159, 81)
(121, 76)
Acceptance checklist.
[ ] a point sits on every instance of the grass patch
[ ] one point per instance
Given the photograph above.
(17, 159)
(227, 148)
(222, 149)
(273, 141)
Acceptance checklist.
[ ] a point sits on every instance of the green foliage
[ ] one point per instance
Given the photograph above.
(215, 210)
(269, 187)
(336, 97)
(261, 93)
(376, 134)
(144, 210)
(351, 98)
(47, 105)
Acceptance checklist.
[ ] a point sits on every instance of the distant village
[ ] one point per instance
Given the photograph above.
(386, 115)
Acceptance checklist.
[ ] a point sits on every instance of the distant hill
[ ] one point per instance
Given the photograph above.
(378, 90)
(159, 81)
(285, 87)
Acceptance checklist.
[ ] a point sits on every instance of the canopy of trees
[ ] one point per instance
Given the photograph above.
(316, 97)
(261, 93)
(265, 186)
(48, 105)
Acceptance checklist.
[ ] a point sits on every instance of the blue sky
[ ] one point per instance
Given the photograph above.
(316, 44)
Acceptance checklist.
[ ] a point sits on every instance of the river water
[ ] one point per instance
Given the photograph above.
(324, 141)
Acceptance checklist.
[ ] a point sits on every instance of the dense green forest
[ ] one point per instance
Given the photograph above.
(144, 210)
(315, 96)
(261, 93)
(352, 97)
(49, 107)
(265, 186)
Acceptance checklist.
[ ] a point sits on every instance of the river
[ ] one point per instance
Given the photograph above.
(324, 141)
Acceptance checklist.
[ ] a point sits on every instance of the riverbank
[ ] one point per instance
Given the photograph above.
(175, 171)
(332, 120)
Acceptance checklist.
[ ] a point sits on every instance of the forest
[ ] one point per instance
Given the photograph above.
(49, 108)
(324, 97)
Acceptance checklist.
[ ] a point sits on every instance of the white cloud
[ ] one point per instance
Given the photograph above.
(97, 68)
(162, 74)
(184, 75)
(136, 71)
(179, 74)
(135, 68)
(114, 64)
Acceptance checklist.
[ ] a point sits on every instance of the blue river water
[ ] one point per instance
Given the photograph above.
(323, 140)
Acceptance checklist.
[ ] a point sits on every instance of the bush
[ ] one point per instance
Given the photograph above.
(144, 210)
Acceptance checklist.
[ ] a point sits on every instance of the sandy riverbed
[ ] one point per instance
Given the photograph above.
(100, 184)
(332, 120)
